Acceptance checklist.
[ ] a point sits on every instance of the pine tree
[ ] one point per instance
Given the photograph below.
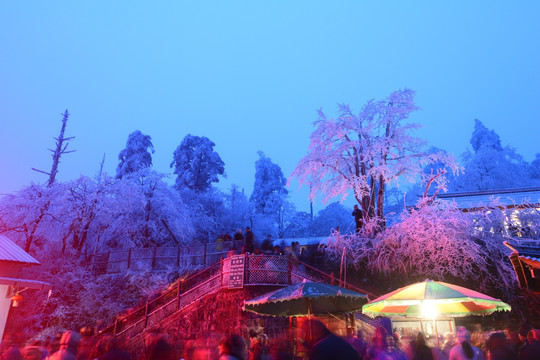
(489, 166)
(197, 164)
(269, 190)
(136, 156)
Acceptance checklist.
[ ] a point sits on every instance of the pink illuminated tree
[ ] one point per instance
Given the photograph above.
(436, 241)
(363, 153)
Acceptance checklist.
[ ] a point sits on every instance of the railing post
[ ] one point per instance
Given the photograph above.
(129, 259)
(115, 325)
(204, 253)
(332, 278)
(246, 268)
(221, 272)
(146, 315)
(108, 261)
(289, 271)
(154, 257)
(179, 286)
(353, 324)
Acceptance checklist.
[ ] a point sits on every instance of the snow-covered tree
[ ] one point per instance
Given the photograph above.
(136, 156)
(30, 215)
(526, 221)
(298, 226)
(85, 200)
(161, 216)
(332, 218)
(363, 153)
(489, 166)
(435, 241)
(534, 170)
(269, 190)
(238, 210)
(287, 217)
(40, 208)
(197, 164)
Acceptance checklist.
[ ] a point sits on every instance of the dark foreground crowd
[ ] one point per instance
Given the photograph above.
(315, 342)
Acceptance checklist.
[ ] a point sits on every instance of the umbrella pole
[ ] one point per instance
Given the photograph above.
(309, 318)
(292, 335)
(436, 332)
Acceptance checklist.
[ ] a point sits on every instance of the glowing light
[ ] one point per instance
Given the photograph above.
(16, 298)
(429, 310)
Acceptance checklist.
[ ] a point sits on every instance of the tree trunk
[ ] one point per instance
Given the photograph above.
(372, 198)
(30, 239)
(146, 232)
(380, 202)
(84, 234)
(60, 149)
(57, 153)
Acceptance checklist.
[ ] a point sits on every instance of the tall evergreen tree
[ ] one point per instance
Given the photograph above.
(136, 156)
(482, 137)
(269, 190)
(489, 166)
(197, 164)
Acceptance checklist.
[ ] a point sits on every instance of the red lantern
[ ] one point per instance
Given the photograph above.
(16, 298)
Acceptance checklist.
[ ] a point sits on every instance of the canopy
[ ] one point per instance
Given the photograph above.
(433, 298)
(307, 298)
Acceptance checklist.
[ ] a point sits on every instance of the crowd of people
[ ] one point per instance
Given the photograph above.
(266, 246)
(523, 344)
(314, 342)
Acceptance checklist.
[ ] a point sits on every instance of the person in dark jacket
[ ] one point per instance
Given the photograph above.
(114, 351)
(357, 213)
(531, 349)
(324, 345)
(232, 347)
(499, 349)
(9, 349)
(267, 246)
(249, 241)
(420, 349)
(158, 348)
(68, 346)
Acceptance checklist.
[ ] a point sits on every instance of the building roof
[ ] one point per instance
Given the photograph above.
(9, 251)
(482, 199)
(25, 283)
(528, 250)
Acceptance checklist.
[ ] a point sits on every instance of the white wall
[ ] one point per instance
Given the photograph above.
(5, 304)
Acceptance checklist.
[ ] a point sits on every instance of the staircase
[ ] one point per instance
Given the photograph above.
(254, 270)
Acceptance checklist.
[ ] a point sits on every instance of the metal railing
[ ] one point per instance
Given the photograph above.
(273, 270)
(159, 258)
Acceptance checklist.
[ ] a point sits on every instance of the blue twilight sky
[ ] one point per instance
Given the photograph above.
(249, 75)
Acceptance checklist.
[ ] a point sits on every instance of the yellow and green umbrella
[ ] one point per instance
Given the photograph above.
(429, 299)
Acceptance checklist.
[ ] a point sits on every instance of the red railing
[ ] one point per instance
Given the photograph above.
(273, 270)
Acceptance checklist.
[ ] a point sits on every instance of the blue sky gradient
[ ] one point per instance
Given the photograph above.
(249, 75)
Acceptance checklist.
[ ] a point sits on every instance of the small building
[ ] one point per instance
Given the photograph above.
(525, 259)
(523, 235)
(508, 198)
(515, 202)
(13, 280)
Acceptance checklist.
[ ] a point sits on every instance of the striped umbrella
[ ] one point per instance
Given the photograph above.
(305, 299)
(429, 299)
